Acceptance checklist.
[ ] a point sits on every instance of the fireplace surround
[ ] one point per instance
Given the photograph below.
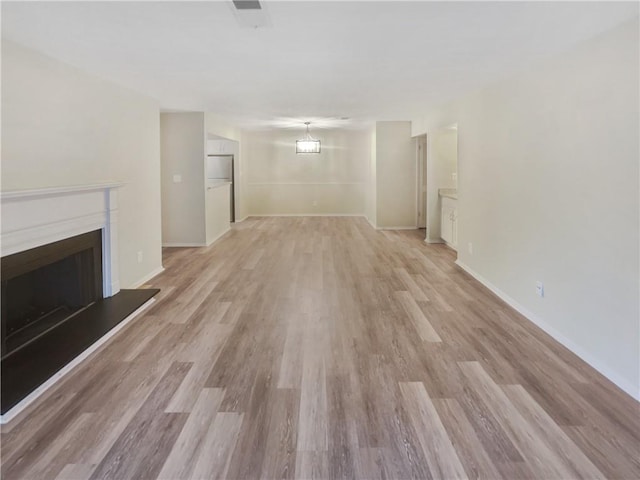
(61, 296)
(32, 218)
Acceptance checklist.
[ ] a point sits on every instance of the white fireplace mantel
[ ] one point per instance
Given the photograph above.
(31, 218)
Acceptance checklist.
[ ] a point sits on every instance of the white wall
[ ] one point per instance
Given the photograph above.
(395, 175)
(372, 200)
(442, 164)
(421, 157)
(281, 182)
(220, 127)
(182, 149)
(61, 126)
(548, 190)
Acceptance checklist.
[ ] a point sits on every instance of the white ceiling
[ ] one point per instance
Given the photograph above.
(317, 60)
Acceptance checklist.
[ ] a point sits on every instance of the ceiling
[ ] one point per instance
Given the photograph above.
(309, 60)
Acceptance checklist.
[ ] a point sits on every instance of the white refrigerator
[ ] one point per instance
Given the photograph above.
(220, 169)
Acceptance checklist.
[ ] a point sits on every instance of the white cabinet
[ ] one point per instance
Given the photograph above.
(449, 221)
(217, 210)
(220, 147)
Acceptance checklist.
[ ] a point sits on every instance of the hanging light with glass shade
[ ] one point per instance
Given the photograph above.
(307, 144)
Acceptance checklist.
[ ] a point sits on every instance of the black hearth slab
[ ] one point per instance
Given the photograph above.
(31, 366)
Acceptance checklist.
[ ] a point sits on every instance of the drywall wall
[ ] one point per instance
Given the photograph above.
(182, 149)
(395, 176)
(548, 190)
(218, 126)
(281, 182)
(62, 126)
(421, 168)
(371, 190)
(442, 164)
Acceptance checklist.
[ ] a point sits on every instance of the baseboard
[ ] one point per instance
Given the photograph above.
(218, 237)
(148, 277)
(597, 364)
(433, 240)
(182, 245)
(38, 392)
(190, 245)
(451, 246)
(397, 228)
(307, 215)
(242, 219)
(371, 223)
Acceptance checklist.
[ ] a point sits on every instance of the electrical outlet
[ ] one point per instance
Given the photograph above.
(470, 248)
(540, 289)
(177, 178)
(140, 256)
(315, 203)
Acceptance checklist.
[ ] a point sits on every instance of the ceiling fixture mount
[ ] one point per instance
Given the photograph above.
(307, 144)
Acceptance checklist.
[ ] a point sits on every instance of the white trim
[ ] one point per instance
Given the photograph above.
(371, 223)
(433, 241)
(307, 215)
(594, 362)
(212, 185)
(271, 184)
(242, 219)
(219, 236)
(29, 399)
(148, 277)
(36, 217)
(450, 245)
(53, 191)
(21, 239)
(398, 228)
(179, 244)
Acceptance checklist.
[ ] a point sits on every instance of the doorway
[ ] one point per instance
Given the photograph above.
(223, 165)
(220, 169)
(442, 186)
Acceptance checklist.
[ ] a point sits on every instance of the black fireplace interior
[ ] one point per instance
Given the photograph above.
(44, 286)
(61, 279)
(53, 309)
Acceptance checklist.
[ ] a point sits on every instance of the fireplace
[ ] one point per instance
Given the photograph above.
(61, 296)
(45, 286)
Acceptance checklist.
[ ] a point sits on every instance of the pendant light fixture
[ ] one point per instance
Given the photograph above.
(307, 144)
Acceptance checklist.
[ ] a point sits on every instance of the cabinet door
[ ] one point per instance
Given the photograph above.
(446, 227)
(454, 228)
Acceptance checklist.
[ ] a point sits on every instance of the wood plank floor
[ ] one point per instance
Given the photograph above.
(321, 348)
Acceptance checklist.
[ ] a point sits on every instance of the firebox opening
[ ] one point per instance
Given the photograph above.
(45, 286)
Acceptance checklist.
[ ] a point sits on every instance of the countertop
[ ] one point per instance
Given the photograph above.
(214, 184)
(448, 192)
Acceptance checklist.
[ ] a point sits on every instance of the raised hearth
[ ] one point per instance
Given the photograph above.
(60, 285)
(29, 367)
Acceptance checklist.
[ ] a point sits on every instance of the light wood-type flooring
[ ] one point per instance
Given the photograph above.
(321, 348)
